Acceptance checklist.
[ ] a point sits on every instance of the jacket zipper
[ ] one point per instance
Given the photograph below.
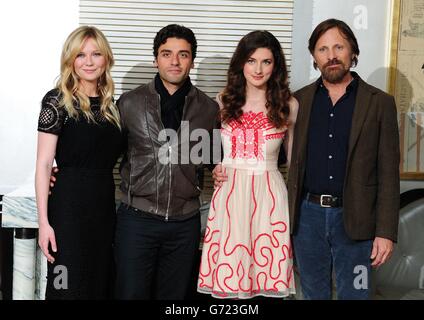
(170, 170)
(170, 157)
(156, 162)
(170, 163)
(170, 183)
(129, 186)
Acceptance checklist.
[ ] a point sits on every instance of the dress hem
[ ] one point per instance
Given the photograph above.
(217, 295)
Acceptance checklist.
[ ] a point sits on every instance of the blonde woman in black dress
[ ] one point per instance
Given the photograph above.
(79, 128)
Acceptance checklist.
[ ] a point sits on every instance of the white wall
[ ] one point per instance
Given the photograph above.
(32, 34)
(369, 20)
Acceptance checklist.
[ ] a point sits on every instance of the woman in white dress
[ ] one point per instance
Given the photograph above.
(247, 250)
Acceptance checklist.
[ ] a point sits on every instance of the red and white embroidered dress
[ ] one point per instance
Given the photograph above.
(246, 249)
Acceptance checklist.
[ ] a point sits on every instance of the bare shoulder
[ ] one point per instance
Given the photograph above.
(294, 108)
(218, 99)
(294, 104)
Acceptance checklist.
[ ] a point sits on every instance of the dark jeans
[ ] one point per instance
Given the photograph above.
(321, 245)
(154, 258)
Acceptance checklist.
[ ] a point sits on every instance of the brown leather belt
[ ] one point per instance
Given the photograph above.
(325, 200)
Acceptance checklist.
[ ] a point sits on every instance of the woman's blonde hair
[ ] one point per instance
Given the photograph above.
(68, 81)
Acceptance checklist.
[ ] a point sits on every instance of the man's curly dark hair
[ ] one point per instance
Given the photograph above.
(175, 31)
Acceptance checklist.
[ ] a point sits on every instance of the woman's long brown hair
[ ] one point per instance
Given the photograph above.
(277, 93)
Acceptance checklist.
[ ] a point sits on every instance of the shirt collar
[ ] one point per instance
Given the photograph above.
(351, 86)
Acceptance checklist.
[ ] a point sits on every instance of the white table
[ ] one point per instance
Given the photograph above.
(29, 264)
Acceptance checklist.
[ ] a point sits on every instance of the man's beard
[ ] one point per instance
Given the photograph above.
(334, 75)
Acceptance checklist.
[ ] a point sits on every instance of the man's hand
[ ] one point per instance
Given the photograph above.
(219, 176)
(381, 251)
(53, 178)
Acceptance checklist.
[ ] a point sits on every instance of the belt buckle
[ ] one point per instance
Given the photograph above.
(321, 198)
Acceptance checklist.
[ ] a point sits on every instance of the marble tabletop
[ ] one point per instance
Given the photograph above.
(29, 264)
(20, 208)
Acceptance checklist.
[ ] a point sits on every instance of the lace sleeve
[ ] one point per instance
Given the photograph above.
(51, 115)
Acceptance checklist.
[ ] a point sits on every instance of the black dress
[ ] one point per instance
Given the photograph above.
(81, 208)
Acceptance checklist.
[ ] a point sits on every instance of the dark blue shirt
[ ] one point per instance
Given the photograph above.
(328, 140)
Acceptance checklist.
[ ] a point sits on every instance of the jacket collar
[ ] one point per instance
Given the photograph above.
(363, 100)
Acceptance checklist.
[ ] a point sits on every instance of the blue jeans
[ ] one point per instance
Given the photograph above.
(321, 245)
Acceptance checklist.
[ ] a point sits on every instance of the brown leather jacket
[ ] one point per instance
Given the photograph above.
(166, 189)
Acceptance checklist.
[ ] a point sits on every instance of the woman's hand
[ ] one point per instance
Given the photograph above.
(219, 176)
(46, 236)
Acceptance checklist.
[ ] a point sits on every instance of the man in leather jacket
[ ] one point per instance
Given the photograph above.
(158, 221)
